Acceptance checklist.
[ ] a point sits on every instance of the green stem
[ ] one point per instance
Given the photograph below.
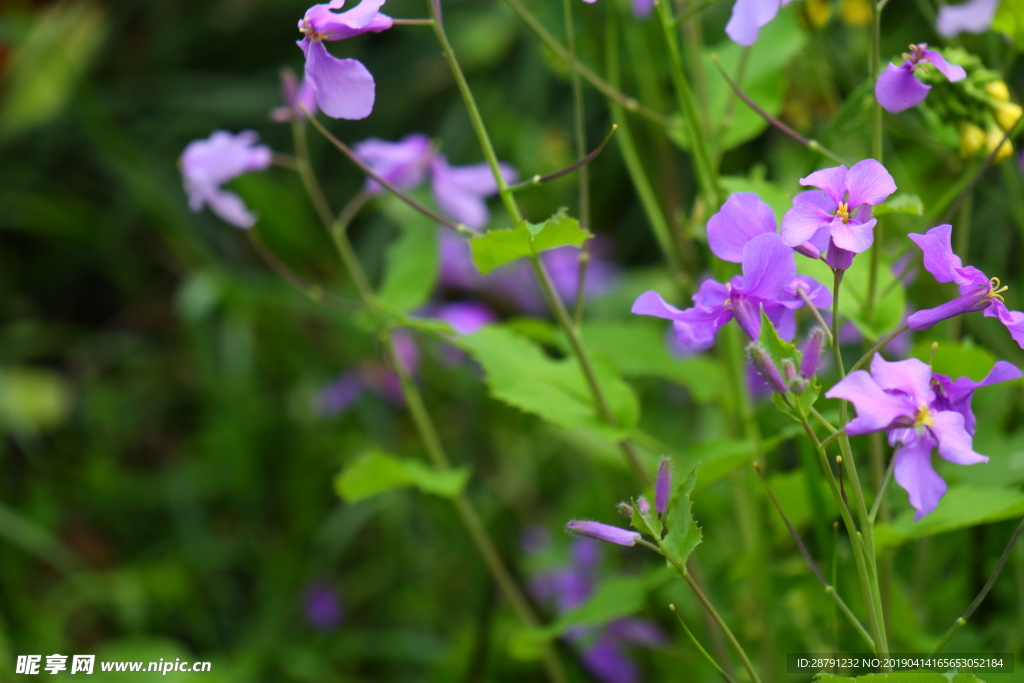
(696, 643)
(579, 128)
(879, 346)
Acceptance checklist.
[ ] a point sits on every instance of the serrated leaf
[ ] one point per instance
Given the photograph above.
(901, 202)
(412, 261)
(376, 472)
(962, 506)
(499, 247)
(519, 373)
(683, 533)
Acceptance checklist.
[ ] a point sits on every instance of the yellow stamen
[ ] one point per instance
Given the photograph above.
(843, 211)
(924, 417)
(995, 290)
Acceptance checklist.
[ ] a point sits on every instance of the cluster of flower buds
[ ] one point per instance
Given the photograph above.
(789, 380)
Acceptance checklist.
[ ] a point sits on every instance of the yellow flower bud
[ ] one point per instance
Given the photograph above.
(997, 90)
(992, 140)
(818, 12)
(1007, 114)
(972, 140)
(855, 12)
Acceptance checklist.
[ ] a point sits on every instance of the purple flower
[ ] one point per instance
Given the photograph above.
(456, 267)
(336, 397)
(899, 398)
(295, 96)
(322, 607)
(769, 280)
(460, 191)
(604, 532)
(663, 485)
(973, 16)
(748, 16)
(344, 88)
(208, 164)
(404, 164)
(977, 291)
(897, 88)
(465, 317)
(838, 219)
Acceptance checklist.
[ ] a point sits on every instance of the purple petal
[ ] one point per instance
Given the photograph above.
(606, 661)
(696, 327)
(460, 190)
(230, 208)
(831, 181)
(329, 25)
(336, 397)
(876, 410)
(651, 303)
(953, 72)
(974, 16)
(911, 377)
(838, 258)
(642, 8)
(748, 16)
(867, 182)
(967, 303)
(913, 472)
(456, 267)
(403, 164)
(748, 315)
(941, 262)
(344, 88)
(853, 236)
(1013, 320)
(954, 441)
(804, 220)
(898, 89)
(956, 394)
(768, 267)
(604, 532)
(742, 217)
(466, 317)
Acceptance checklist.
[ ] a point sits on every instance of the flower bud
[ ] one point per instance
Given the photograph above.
(998, 91)
(663, 485)
(625, 509)
(812, 353)
(993, 138)
(972, 140)
(1007, 114)
(604, 532)
(643, 506)
(766, 368)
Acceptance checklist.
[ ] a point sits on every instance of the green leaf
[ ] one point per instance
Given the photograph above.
(412, 261)
(375, 472)
(683, 533)
(499, 247)
(901, 202)
(962, 506)
(519, 373)
(896, 677)
(1009, 19)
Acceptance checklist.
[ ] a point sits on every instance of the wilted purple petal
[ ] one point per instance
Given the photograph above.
(973, 16)
(344, 87)
(404, 163)
(742, 217)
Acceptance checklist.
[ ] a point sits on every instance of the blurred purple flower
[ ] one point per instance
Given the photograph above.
(294, 96)
(898, 398)
(336, 397)
(465, 317)
(344, 88)
(456, 267)
(460, 191)
(208, 164)
(322, 606)
(897, 87)
(404, 163)
(973, 16)
(977, 291)
(838, 218)
(749, 16)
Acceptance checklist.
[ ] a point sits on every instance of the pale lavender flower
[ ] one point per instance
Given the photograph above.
(323, 607)
(749, 16)
(838, 219)
(344, 87)
(897, 88)
(978, 292)
(899, 398)
(604, 532)
(461, 191)
(296, 97)
(404, 164)
(973, 16)
(663, 485)
(208, 164)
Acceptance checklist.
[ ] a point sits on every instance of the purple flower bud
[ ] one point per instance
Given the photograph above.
(643, 506)
(812, 353)
(766, 368)
(663, 485)
(789, 370)
(604, 532)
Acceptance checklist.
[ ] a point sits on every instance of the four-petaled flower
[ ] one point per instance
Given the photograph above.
(838, 218)
(344, 87)
(921, 412)
(208, 164)
(897, 88)
(977, 291)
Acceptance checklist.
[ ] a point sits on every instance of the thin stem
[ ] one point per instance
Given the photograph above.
(836, 282)
(879, 346)
(962, 620)
(606, 89)
(312, 291)
(538, 179)
(696, 643)
(820, 418)
(880, 496)
(412, 22)
(873, 66)
(816, 313)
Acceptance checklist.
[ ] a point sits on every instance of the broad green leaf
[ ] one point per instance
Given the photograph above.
(519, 373)
(376, 472)
(962, 506)
(1009, 20)
(896, 677)
(683, 533)
(890, 297)
(412, 261)
(778, 43)
(32, 400)
(498, 247)
(639, 348)
(901, 202)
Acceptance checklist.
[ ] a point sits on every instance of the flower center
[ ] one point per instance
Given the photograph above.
(995, 291)
(307, 30)
(924, 418)
(843, 211)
